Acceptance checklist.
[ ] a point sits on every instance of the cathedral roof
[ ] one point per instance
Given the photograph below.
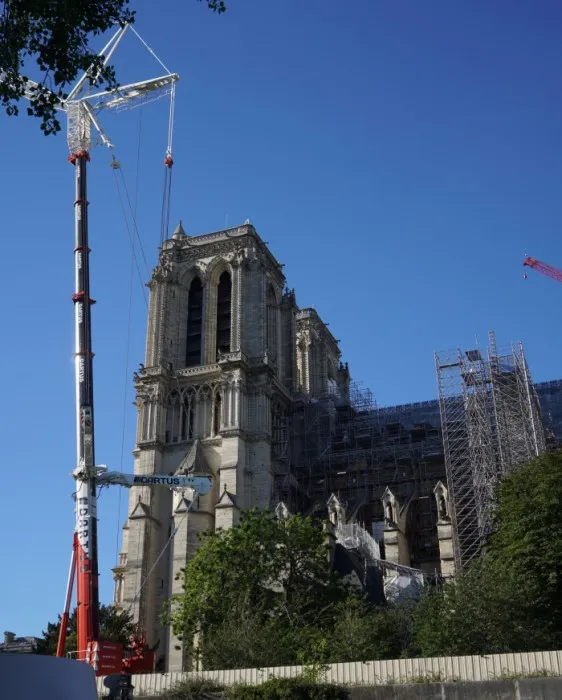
(195, 463)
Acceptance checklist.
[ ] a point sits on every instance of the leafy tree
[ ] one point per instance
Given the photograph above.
(245, 638)
(484, 611)
(269, 577)
(364, 632)
(261, 593)
(56, 34)
(300, 688)
(511, 599)
(527, 539)
(115, 626)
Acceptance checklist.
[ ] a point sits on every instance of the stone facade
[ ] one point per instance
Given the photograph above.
(227, 350)
(241, 385)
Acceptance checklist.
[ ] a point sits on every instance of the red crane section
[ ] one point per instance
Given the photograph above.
(543, 268)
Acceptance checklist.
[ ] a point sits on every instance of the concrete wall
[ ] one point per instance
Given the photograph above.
(372, 673)
(524, 689)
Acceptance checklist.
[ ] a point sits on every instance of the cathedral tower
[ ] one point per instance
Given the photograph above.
(212, 396)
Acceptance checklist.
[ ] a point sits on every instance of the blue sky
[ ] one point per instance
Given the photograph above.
(399, 157)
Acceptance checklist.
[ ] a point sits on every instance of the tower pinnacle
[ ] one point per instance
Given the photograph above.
(179, 233)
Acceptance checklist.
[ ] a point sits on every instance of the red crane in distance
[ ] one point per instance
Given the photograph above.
(543, 268)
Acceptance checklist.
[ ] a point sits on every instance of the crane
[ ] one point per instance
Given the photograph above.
(543, 268)
(97, 653)
(82, 107)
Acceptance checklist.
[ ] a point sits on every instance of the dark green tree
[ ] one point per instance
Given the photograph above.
(246, 638)
(484, 611)
(271, 578)
(527, 538)
(511, 598)
(365, 632)
(115, 626)
(56, 35)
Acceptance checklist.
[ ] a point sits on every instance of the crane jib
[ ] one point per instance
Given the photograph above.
(158, 480)
(200, 484)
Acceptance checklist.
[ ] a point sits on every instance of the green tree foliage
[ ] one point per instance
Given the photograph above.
(194, 689)
(511, 599)
(115, 626)
(261, 594)
(270, 578)
(288, 689)
(56, 35)
(245, 638)
(365, 632)
(527, 541)
(273, 689)
(484, 611)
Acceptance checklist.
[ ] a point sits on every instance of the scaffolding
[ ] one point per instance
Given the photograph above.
(344, 444)
(399, 581)
(491, 423)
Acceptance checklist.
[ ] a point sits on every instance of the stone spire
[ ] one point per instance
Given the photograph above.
(179, 233)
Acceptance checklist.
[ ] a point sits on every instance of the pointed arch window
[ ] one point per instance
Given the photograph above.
(172, 433)
(271, 320)
(187, 418)
(217, 414)
(194, 324)
(224, 298)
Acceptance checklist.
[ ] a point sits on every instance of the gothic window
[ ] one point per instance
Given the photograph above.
(145, 420)
(180, 418)
(217, 414)
(271, 319)
(279, 431)
(194, 324)
(224, 297)
(172, 418)
(187, 419)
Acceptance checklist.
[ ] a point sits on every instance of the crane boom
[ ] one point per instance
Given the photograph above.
(200, 484)
(548, 270)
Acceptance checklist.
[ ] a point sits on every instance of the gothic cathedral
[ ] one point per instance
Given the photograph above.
(227, 352)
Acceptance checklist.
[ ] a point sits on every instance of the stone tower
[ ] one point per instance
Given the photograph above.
(216, 386)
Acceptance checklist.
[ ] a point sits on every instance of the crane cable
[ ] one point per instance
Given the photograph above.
(161, 554)
(116, 165)
(165, 219)
(168, 163)
(128, 340)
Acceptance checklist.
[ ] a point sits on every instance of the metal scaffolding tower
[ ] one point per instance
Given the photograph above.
(491, 423)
